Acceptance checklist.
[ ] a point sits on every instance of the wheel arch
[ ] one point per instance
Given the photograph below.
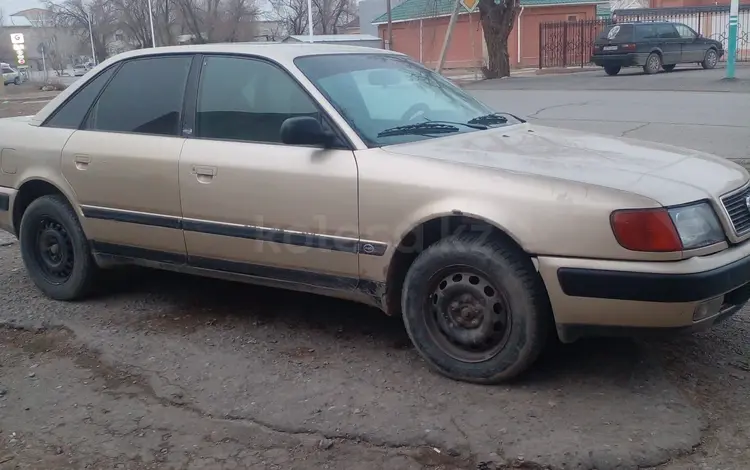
(31, 189)
(425, 233)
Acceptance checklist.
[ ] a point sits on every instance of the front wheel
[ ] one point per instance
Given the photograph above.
(476, 310)
(670, 67)
(653, 63)
(55, 250)
(612, 70)
(710, 60)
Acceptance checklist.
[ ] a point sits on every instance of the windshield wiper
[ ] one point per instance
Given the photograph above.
(489, 119)
(421, 128)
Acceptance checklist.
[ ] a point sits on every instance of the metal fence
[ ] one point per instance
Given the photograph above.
(569, 43)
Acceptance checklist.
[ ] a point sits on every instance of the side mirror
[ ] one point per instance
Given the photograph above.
(305, 130)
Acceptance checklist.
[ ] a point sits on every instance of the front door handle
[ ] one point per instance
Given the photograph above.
(82, 161)
(204, 174)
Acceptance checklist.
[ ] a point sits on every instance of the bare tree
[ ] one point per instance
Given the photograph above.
(328, 15)
(291, 14)
(498, 17)
(75, 15)
(217, 20)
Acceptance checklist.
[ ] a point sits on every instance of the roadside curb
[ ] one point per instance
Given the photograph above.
(565, 70)
(36, 97)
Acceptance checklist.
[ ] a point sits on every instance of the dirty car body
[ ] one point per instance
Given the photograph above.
(360, 174)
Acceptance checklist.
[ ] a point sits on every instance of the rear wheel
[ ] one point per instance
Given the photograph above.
(710, 60)
(55, 250)
(612, 69)
(653, 63)
(670, 67)
(476, 310)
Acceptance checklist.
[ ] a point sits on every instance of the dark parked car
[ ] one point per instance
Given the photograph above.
(653, 46)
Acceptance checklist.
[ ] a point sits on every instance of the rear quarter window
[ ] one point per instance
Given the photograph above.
(617, 32)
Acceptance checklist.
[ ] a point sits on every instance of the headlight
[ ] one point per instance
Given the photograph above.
(667, 229)
(697, 225)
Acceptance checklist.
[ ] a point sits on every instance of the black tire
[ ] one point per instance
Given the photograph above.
(17, 80)
(710, 60)
(653, 63)
(669, 68)
(612, 70)
(51, 221)
(511, 279)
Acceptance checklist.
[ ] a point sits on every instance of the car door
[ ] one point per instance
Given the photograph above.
(123, 161)
(670, 43)
(253, 205)
(693, 50)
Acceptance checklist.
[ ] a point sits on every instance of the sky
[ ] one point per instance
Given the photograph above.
(12, 6)
(9, 7)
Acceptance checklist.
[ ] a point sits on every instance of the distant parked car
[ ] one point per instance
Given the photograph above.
(10, 75)
(79, 70)
(653, 46)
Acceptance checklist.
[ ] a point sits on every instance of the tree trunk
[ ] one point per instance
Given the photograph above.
(497, 22)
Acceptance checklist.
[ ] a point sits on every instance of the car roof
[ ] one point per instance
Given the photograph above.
(640, 23)
(271, 50)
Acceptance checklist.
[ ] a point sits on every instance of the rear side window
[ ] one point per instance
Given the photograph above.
(667, 31)
(144, 97)
(645, 31)
(617, 32)
(71, 114)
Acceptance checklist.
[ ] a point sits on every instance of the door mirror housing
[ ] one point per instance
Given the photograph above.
(305, 130)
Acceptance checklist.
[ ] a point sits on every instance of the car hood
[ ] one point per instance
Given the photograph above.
(667, 174)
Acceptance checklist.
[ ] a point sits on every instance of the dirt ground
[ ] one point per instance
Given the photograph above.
(163, 371)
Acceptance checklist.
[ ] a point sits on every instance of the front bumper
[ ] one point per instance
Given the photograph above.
(630, 59)
(606, 297)
(7, 196)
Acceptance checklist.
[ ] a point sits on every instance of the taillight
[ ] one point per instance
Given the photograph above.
(645, 230)
(627, 47)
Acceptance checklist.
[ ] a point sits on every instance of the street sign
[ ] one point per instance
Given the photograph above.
(470, 5)
(18, 46)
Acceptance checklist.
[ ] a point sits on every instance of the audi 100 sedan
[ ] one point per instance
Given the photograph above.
(360, 174)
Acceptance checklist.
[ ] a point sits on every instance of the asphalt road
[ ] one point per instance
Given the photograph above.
(692, 108)
(164, 371)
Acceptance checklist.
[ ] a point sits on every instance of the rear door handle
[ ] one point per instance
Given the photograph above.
(82, 161)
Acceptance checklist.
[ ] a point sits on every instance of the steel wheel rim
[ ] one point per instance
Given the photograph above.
(467, 316)
(53, 250)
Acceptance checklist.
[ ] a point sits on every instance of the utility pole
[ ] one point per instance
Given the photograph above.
(310, 19)
(390, 24)
(91, 36)
(734, 8)
(151, 20)
(448, 34)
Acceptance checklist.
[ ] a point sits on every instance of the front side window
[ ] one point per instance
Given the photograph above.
(684, 31)
(144, 97)
(248, 100)
(7, 70)
(378, 94)
(70, 114)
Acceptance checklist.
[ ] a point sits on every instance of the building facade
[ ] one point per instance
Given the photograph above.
(419, 28)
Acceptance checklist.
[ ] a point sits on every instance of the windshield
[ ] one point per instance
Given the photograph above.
(390, 99)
